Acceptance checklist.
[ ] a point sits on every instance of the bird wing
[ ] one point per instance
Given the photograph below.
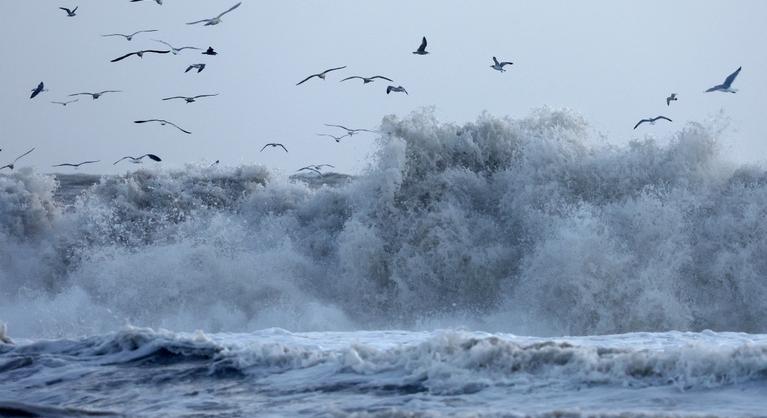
(143, 31)
(148, 120)
(204, 95)
(230, 9)
(7, 166)
(152, 157)
(155, 51)
(174, 97)
(306, 79)
(81, 94)
(110, 91)
(65, 9)
(311, 169)
(661, 117)
(339, 126)
(423, 44)
(333, 69)
(262, 149)
(177, 127)
(164, 43)
(116, 34)
(65, 165)
(123, 158)
(730, 78)
(37, 90)
(495, 61)
(641, 122)
(123, 57)
(506, 63)
(352, 77)
(381, 77)
(23, 155)
(715, 88)
(389, 89)
(199, 21)
(283, 147)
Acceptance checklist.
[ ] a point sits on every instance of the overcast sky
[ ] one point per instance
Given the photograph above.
(614, 62)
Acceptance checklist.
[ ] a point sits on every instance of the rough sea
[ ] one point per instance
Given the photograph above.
(504, 267)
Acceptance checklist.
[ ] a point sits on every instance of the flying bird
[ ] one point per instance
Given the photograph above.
(95, 95)
(70, 13)
(215, 20)
(209, 51)
(725, 87)
(37, 90)
(310, 168)
(670, 99)
(651, 120)
(320, 75)
(139, 54)
(163, 123)
(173, 49)
(77, 165)
(398, 89)
(499, 65)
(191, 99)
(137, 160)
(66, 103)
(199, 67)
(12, 165)
(156, 1)
(366, 80)
(337, 138)
(215, 163)
(349, 131)
(130, 37)
(274, 145)
(421, 49)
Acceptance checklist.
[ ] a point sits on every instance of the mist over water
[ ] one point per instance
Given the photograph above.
(528, 225)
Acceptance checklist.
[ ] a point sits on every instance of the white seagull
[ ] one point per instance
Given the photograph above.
(725, 87)
(175, 50)
(130, 37)
(670, 99)
(137, 160)
(191, 99)
(273, 145)
(37, 90)
(95, 95)
(421, 49)
(70, 13)
(320, 75)
(651, 120)
(499, 65)
(12, 165)
(66, 103)
(398, 89)
(215, 20)
(163, 122)
(349, 131)
(199, 67)
(337, 138)
(156, 1)
(366, 80)
(75, 165)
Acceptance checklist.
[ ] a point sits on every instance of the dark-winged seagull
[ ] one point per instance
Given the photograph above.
(421, 49)
(75, 165)
(274, 145)
(499, 65)
(651, 120)
(215, 20)
(670, 99)
(96, 95)
(725, 87)
(191, 99)
(70, 13)
(139, 54)
(349, 131)
(130, 37)
(209, 51)
(398, 89)
(366, 80)
(156, 1)
(66, 103)
(137, 160)
(163, 122)
(199, 67)
(37, 90)
(173, 49)
(12, 164)
(337, 138)
(320, 75)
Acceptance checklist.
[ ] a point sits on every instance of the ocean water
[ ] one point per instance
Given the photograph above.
(446, 279)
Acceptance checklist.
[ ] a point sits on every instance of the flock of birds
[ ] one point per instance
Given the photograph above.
(497, 65)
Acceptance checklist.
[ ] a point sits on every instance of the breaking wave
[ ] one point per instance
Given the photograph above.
(530, 226)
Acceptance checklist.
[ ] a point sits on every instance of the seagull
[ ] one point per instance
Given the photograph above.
(499, 65)
(651, 120)
(670, 99)
(421, 49)
(139, 54)
(137, 160)
(95, 95)
(725, 87)
(130, 37)
(66, 103)
(70, 13)
(199, 67)
(275, 145)
(163, 122)
(349, 131)
(156, 1)
(173, 49)
(398, 89)
(320, 75)
(75, 165)
(11, 165)
(37, 90)
(190, 99)
(210, 51)
(310, 168)
(337, 138)
(366, 80)
(215, 163)
(215, 20)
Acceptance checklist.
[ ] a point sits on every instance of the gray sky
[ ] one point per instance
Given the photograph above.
(614, 62)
